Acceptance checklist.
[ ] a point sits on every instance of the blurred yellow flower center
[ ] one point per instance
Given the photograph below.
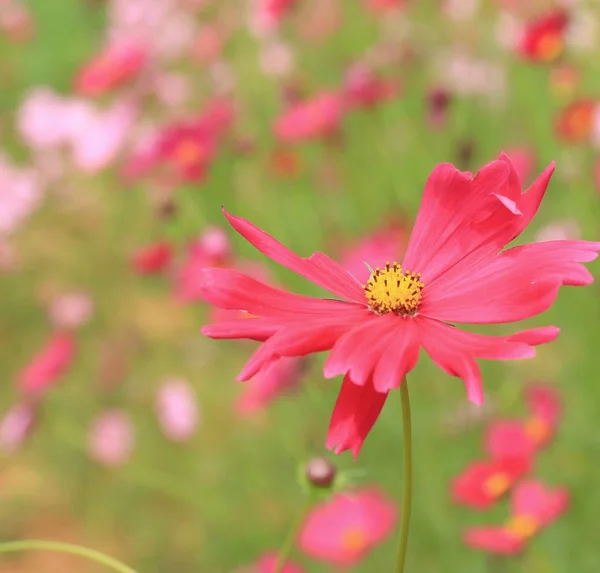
(537, 429)
(496, 485)
(550, 47)
(523, 526)
(188, 152)
(393, 289)
(354, 539)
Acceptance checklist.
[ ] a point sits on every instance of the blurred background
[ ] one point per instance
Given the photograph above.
(125, 125)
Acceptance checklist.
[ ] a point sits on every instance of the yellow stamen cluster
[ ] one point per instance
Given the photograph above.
(496, 485)
(393, 289)
(523, 526)
(354, 539)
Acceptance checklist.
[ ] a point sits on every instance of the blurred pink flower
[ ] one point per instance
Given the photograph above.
(211, 249)
(177, 409)
(116, 64)
(15, 426)
(153, 258)
(71, 310)
(383, 246)
(363, 88)
(20, 195)
(172, 89)
(111, 438)
(208, 44)
(460, 10)
(276, 59)
(534, 507)
(267, 15)
(559, 230)
(384, 6)
(318, 117)
(524, 160)
(266, 564)
(49, 364)
(344, 529)
(280, 376)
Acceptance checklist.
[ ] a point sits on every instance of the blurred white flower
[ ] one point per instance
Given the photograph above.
(560, 230)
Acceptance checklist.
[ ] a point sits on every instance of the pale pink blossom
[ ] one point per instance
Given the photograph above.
(71, 310)
(276, 59)
(111, 438)
(177, 409)
(15, 425)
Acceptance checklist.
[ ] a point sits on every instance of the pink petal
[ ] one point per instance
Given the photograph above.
(227, 288)
(497, 540)
(356, 410)
(250, 328)
(544, 402)
(535, 499)
(505, 438)
(318, 268)
(298, 339)
(400, 356)
(514, 285)
(357, 351)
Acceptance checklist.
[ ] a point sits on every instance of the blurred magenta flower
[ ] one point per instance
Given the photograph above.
(364, 89)
(20, 195)
(15, 426)
(543, 39)
(280, 376)
(345, 528)
(111, 438)
(71, 310)
(117, 64)
(49, 364)
(318, 117)
(267, 15)
(153, 258)
(177, 409)
(534, 506)
(483, 483)
(454, 270)
(266, 564)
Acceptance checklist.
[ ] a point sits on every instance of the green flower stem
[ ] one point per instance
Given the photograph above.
(288, 542)
(91, 554)
(407, 484)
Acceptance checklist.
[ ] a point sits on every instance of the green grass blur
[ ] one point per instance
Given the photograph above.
(218, 501)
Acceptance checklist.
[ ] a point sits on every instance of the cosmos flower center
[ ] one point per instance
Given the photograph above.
(392, 289)
(354, 539)
(496, 485)
(550, 47)
(188, 152)
(523, 526)
(537, 429)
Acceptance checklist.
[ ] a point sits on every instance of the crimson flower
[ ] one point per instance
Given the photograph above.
(543, 38)
(454, 270)
(534, 507)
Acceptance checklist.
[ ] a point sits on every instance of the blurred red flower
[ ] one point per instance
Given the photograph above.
(576, 121)
(543, 38)
(344, 529)
(526, 437)
(453, 271)
(152, 258)
(114, 66)
(534, 507)
(363, 88)
(484, 483)
(315, 118)
(49, 364)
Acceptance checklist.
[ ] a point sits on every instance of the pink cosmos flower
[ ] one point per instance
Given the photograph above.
(534, 507)
(315, 118)
(49, 364)
(345, 528)
(280, 376)
(111, 438)
(484, 483)
(177, 409)
(363, 88)
(526, 437)
(71, 310)
(115, 65)
(16, 425)
(153, 258)
(20, 195)
(266, 564)
(454, 270)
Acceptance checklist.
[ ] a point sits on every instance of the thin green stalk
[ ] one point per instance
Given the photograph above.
(288, 542)
(405, 508)
(91, 554)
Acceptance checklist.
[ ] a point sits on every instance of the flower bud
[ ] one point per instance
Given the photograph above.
(320, 472)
